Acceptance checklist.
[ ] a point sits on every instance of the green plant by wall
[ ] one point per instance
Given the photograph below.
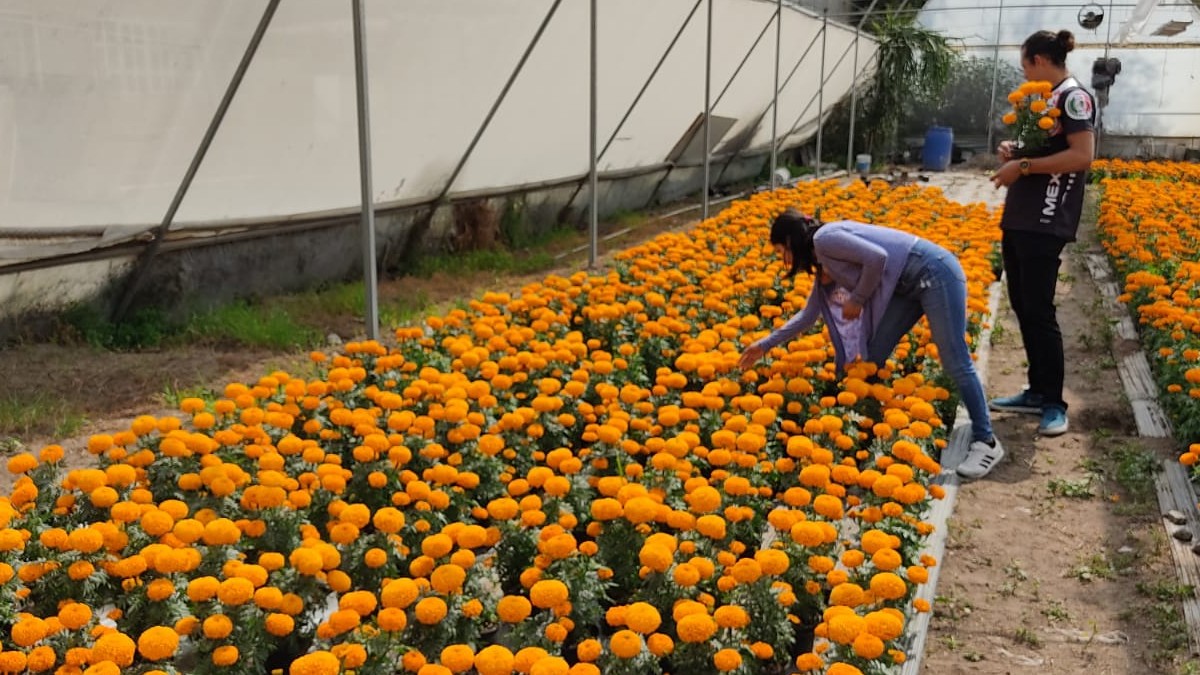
(913, 63)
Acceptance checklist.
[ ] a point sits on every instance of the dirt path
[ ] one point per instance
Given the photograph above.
(1046, 556)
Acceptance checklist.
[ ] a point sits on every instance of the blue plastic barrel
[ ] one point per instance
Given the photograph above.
(939, 143)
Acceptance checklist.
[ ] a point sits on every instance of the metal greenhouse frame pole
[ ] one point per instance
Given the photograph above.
(854, 85)
(370, 279)
(995, 75)
(821, 88)
(775, 93)
(813, 98)
(593, 160)
(775, 100)
(637, 99)
(422, 226)
(650, 80)
(738, 70)
(707, 106)
(142, 264)
(725, 89)
(487, 120)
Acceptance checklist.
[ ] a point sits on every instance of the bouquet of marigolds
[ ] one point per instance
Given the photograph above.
(1032, 116)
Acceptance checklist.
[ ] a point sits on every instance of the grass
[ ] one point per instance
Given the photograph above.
(344, 298)
(1093, 567)
(1159, 608)
(1027, 636)
(1074, 489)
(172, 396)
(1136, 469)
(252, 326)
(998, 333)
(483, 260)
(1056, 611)
(39, 413)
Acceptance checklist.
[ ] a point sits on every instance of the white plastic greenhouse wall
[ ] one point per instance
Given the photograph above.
(1154, 104)
(103, 104)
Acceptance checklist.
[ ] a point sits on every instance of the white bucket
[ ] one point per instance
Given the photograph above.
(862, 163)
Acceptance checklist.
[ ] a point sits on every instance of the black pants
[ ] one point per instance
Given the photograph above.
(1031, 262)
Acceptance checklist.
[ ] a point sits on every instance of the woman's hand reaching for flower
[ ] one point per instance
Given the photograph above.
(751, 356)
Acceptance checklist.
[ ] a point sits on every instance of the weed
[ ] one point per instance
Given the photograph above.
(1136, 469)
(483, 260)
(1164, 590)
(252, 326)
(628, 218)
(1074, 489)
(1095, 566)
(1015, 575)
(38, 414)
(173, 395)
(10, 446)
(1056, 611)
(952, 607)
(347, 298)
(405, 310)
(148, 327)
(998, 333)
(1162, 613)
(1027, 636)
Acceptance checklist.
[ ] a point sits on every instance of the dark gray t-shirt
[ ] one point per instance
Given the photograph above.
(1051, 203)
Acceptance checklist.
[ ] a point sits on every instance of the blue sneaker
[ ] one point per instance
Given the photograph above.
(1054, 421)
(1024, 402)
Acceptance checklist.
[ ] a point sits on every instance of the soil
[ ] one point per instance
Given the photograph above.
(1031, 582)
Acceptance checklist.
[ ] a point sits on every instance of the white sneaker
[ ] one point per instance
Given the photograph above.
(981, 459)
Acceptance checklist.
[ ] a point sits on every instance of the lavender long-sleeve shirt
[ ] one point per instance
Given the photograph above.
(868, 260)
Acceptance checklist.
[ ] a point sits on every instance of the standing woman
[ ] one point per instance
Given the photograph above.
(894, 278)
(1041, 214)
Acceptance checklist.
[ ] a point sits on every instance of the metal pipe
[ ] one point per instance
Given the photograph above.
(738, 70)
(593, 160)
(821, 89)
(658, 66)
(854, 86)
(499, 100)
(707, 104)
(370, 280)
(142, 264)
(813, 98)
(995, 73)
(1099, 108)
(775, 93)
(772, 105)
(636, 99)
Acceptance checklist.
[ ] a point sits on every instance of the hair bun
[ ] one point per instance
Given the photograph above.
(1066, 39)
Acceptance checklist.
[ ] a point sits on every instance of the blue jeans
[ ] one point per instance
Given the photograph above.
(933, 284)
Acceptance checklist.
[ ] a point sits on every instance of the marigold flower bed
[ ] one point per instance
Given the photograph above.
(1149, 226)
(575, 479)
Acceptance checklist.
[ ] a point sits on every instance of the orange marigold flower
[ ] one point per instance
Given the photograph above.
(727, 659)
(548, 593)
(494, 660)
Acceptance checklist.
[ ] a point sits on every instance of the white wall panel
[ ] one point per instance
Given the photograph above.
(103, 104)
(1156, 93)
